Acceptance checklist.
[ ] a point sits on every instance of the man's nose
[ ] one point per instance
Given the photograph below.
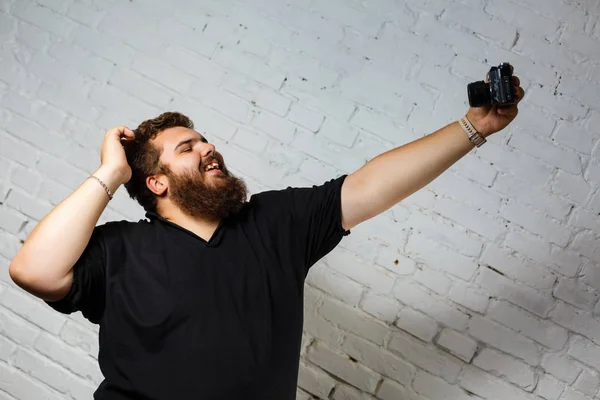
(208, 149)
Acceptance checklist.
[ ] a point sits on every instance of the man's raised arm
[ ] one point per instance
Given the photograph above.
(43, 265)
(396, 174)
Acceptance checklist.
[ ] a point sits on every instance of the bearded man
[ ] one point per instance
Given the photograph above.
(204, 298)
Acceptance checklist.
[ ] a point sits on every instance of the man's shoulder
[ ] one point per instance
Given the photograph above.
(123, 224)
(269, 201)
(296, 192)
(123, 227)
(273, 194)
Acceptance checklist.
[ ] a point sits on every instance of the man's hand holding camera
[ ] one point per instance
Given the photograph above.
(494, 103)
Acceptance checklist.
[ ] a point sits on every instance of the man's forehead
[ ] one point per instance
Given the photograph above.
(171, 136)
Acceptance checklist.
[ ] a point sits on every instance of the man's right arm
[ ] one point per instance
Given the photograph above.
(44, 264)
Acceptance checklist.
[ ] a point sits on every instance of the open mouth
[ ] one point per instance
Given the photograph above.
(213, 168)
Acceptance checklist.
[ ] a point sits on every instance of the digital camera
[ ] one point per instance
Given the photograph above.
(499, 91)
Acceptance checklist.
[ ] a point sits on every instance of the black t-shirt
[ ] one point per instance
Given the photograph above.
(182, 318)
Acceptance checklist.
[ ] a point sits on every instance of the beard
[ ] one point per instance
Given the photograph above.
(211, 196)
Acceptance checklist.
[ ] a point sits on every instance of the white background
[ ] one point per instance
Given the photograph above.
(482, 285)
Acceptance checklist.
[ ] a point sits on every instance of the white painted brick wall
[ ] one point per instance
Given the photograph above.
(506, 367)
(549, 388)
(483, 285)
(460, 345)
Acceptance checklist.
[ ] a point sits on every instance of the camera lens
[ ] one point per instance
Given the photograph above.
(479, 94)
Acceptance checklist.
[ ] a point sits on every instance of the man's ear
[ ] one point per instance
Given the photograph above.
(158, 184)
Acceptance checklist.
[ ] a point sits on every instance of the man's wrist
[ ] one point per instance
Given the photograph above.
(474, 136)
(111, 177)
(478, 125)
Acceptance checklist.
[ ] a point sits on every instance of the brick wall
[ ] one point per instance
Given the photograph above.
(483, 285)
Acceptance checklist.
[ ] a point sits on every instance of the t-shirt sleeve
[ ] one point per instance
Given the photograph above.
(307, 220)
(87, 293)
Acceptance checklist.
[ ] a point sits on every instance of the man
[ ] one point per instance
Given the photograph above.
(204, 300)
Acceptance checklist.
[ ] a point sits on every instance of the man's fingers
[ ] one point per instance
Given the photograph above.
(519, 93)
(509, 111)
(117, 130)
(516, 81)
(128, 133)
(121, 132)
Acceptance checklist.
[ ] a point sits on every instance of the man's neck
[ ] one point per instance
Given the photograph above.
(201, 227)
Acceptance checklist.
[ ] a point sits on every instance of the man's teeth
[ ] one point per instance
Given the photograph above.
(212, 166)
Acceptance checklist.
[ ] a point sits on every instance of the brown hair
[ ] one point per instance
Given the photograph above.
(143, 156)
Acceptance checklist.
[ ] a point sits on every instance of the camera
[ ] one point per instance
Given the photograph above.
(499, 91)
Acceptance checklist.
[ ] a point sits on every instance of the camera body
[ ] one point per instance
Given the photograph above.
(499, 91)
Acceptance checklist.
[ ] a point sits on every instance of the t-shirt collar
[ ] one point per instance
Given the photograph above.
(214, 240)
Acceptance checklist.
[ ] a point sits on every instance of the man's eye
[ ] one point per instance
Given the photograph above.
(186, 150)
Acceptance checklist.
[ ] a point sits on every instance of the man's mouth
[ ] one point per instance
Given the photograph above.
(213, 168)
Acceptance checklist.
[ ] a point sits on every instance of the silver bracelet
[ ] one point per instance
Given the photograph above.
(103, 185)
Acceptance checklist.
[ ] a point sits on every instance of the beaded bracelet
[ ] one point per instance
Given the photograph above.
(103, 185)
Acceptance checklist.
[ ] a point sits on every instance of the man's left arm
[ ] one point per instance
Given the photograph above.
(396, 174)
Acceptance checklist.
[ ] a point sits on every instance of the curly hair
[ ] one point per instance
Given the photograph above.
(143, 156)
